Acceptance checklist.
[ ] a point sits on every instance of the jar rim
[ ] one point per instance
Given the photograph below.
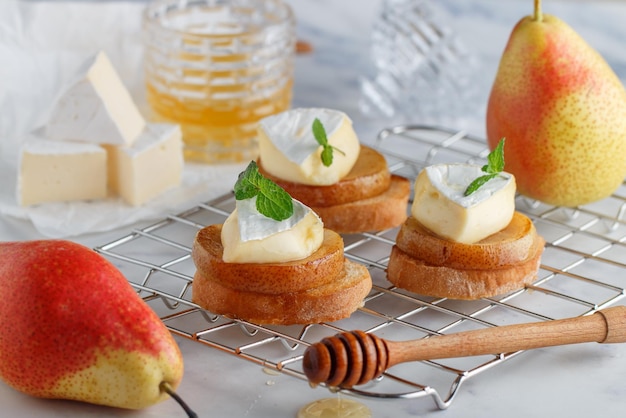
(273, 14)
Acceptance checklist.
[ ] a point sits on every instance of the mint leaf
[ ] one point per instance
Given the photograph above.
(247, 185)
(272, 204)
(495, 159)
(319, 132)
(271, 199)
(477, 183)
(494, 166)
(327, 156)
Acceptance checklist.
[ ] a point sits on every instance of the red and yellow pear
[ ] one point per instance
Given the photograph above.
(562, 110)
(72, 327)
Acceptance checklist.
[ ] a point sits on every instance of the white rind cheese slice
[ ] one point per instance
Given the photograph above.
(152, 165)
(96, 108)
(250, 237)
(441, 206)
(57, 171)
(289, 150)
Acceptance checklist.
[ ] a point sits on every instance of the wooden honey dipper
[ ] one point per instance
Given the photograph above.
(354, 358)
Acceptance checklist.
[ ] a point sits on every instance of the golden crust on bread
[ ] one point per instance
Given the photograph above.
(292, 276)
(386, 210)
(412, 274)
(507, 247)
(502, 262)
(330, 302)
(369, 177)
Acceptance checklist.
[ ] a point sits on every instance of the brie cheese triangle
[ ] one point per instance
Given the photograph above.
(250, 237)
(441, 206)
(289, 150)
(96, 108)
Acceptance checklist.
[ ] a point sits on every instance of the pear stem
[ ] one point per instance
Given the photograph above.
(167, 388)
(538, 15)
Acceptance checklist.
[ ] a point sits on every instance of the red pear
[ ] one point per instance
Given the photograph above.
(562, 111)
(72, 327)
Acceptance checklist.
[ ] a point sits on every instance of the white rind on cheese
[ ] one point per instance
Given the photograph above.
(57, 171)
(249, 237)
(288, 149)
(441, 205)
(96, 108)
(254, 226)
(149, 167)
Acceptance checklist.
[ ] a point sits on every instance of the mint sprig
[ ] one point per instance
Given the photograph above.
(271, 199)
(319, 132)
(494, 166)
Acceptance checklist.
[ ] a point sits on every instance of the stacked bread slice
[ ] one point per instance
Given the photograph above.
(320, 288)
(425, 263)
(369, 198)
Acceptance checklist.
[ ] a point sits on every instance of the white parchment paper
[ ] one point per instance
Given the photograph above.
(41, 46)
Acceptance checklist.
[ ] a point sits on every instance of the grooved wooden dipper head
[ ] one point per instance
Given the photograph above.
(346, 359)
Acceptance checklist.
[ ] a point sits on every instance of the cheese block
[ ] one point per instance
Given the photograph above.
(57, 171)
(152, 165)
(441, 205)
(96, 107)
(250, 237)
(290, 151)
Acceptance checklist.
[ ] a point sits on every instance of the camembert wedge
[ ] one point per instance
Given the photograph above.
(96, 108)
(250, 237)
(441, 205)
(290, 151)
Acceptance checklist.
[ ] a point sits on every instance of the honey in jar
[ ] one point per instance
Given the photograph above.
(217, 68)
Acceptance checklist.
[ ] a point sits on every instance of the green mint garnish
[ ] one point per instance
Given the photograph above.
(320, 136)
(494, 166)
(271, 199)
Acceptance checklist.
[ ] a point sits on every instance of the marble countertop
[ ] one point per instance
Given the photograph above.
(576, 381)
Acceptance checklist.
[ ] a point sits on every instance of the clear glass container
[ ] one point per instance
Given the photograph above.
(217, 67)
(423, 72)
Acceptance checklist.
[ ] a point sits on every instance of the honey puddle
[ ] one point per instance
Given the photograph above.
(337, 407)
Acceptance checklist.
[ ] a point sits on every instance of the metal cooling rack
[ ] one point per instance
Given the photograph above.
(583, 269)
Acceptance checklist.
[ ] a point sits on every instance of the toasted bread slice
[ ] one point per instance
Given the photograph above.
(508, 247)
(271, 278)
(369, 177)
(383, 211)
(330, 302)
(412, 274)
